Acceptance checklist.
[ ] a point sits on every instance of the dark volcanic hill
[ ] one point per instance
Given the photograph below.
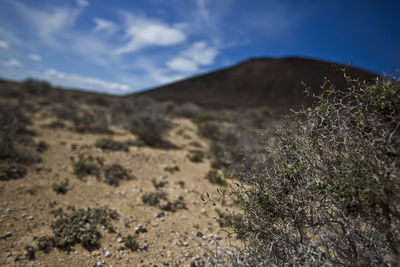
(272, 82)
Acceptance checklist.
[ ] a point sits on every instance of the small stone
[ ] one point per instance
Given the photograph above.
(23, 215)
(8, 211)
(122, 193)
(7, 234)
(120, 240)
(203, 210)
(146, 246)
(107, 254)
(100, 264)
(31, 218)
(204, 237)
(185, 244)
(5, 203)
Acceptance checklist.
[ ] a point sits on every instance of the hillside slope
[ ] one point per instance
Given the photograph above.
(272, 82)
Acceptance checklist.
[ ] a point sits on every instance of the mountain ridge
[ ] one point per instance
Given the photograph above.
(257, 82)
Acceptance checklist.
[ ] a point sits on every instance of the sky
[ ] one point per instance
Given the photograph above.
(120, 47)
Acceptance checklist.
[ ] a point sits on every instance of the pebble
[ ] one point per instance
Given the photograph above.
(122, 193)
(185, 244)
(120, 240)
(204, 237)
(5, 203)
(107, 254)
(31, 218)
(23, 215)
(100, 264)
(203, 210)
(8, 211)
(7, 234)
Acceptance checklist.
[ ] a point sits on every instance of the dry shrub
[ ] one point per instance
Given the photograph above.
(150, 127)
(327, 191)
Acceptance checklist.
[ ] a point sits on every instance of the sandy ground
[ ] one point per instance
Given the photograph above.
(172, 240)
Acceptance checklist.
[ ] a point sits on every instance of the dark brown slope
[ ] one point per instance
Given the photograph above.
(256, 82)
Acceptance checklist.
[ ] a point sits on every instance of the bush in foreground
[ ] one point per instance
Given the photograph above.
(327, 192)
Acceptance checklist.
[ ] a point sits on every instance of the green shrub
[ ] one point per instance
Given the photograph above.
(61, 188)
(215, 178)
(86, 166)
(131, 242)
(188, 110)
(327, 191)
(196, 155)
(78, 227)
(159, 199)
(210, 129)
(11, 170)
(203, 117)
(154, 198)
(110, 144)
(150, 127)
(29, 252)
(36, 87)
(114, 173)
(42, 146)
(56, 124)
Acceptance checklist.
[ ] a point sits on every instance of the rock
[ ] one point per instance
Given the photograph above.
(5, 203)
(31, 218)
(8, 211)
(7, 234)
(100, 264)
(120, 240)
(23, 215)
(107, 254)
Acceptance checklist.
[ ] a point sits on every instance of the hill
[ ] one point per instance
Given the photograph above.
(272, 82)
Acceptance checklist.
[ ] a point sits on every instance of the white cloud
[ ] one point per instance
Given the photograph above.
(103, 25)
(49, 21)
(12, 63)
(84, 82)
(141, 32)
(182, 64)
(3, 44)
(35, 57)
(83, 3)
(199, 54)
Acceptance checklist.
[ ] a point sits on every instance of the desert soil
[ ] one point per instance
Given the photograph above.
(176, 239)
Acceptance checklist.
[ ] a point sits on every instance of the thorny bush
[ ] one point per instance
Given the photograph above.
(327, 190)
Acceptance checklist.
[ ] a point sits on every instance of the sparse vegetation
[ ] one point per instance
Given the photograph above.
(150, 128)
(215, 178)
(16, 143)
(154, 198)
(78, 227)
(196, 156)
(29, 252)
(159, 199)
(131, 242)
(56, 124)
(110, 144)
(61, 188)
(86, 165)
(42, 146)
(114, 173)
(203, 117)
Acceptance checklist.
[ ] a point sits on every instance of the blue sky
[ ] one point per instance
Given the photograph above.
(125, 46)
